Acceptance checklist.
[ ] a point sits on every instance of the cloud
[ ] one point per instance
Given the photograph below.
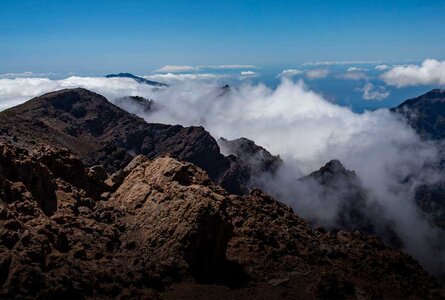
(248, 73)
(317, 73)
(430, 72)
(381, 67)
(340, 62)
(290, 73)
(177, 69)
(170, 77)
(353, 75)
(16, 91)
(355, 69)
(373, 93)
(225, 67)
(25, 74)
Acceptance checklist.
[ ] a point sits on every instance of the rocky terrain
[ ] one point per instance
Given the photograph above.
(97, 203)
(162, 229)
(101, 133)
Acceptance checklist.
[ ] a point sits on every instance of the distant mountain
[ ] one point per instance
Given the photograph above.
(137, 78)
(426, 114)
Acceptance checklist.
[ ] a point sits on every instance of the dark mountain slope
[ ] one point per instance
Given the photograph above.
(426, 114)
(136, 78)
(355, 209)
(102, 133)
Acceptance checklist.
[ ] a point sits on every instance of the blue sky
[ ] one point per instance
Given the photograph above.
(94, 37)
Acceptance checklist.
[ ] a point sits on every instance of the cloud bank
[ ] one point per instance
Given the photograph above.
(185, 68)
(430, 72)
(305, 130)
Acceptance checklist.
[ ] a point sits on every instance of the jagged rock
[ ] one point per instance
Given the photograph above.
(248, 162)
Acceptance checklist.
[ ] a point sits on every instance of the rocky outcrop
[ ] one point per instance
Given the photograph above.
(248, 163)
(355, 209)
(166, 230)
(135, 104)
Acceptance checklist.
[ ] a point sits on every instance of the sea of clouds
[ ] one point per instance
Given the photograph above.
(305, 129)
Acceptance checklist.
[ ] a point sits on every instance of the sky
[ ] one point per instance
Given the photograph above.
(92, 37)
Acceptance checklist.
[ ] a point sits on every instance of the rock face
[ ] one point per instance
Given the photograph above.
(426, 114)
(166, 230)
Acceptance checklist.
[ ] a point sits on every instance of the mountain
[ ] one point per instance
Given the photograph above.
(166, 231)
(136, 78)
(136, 104)
(426, 114)
(101, 133)
(249, 162)
(334, 184)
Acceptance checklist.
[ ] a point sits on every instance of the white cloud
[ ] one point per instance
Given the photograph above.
(317, 73)
(16, 91)
(290, 73)
(373, 93)
(224, 67)
(248, 73)
(342, 62)
(381, 67)
(25, 74)
(177, 69)
(430, 72)
(355, 69)
(170, 77)
(353, 75)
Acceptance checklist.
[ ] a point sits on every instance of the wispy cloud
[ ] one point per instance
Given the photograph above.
(342, 62)
(25, 74)
(317, 73)
(381, 67)
(430, 72)
(373, 93)
(187, 68)
(174, 69)
(170, 77)
(290, 73)
(248, 73)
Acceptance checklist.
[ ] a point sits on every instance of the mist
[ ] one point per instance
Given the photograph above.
(307, 131)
